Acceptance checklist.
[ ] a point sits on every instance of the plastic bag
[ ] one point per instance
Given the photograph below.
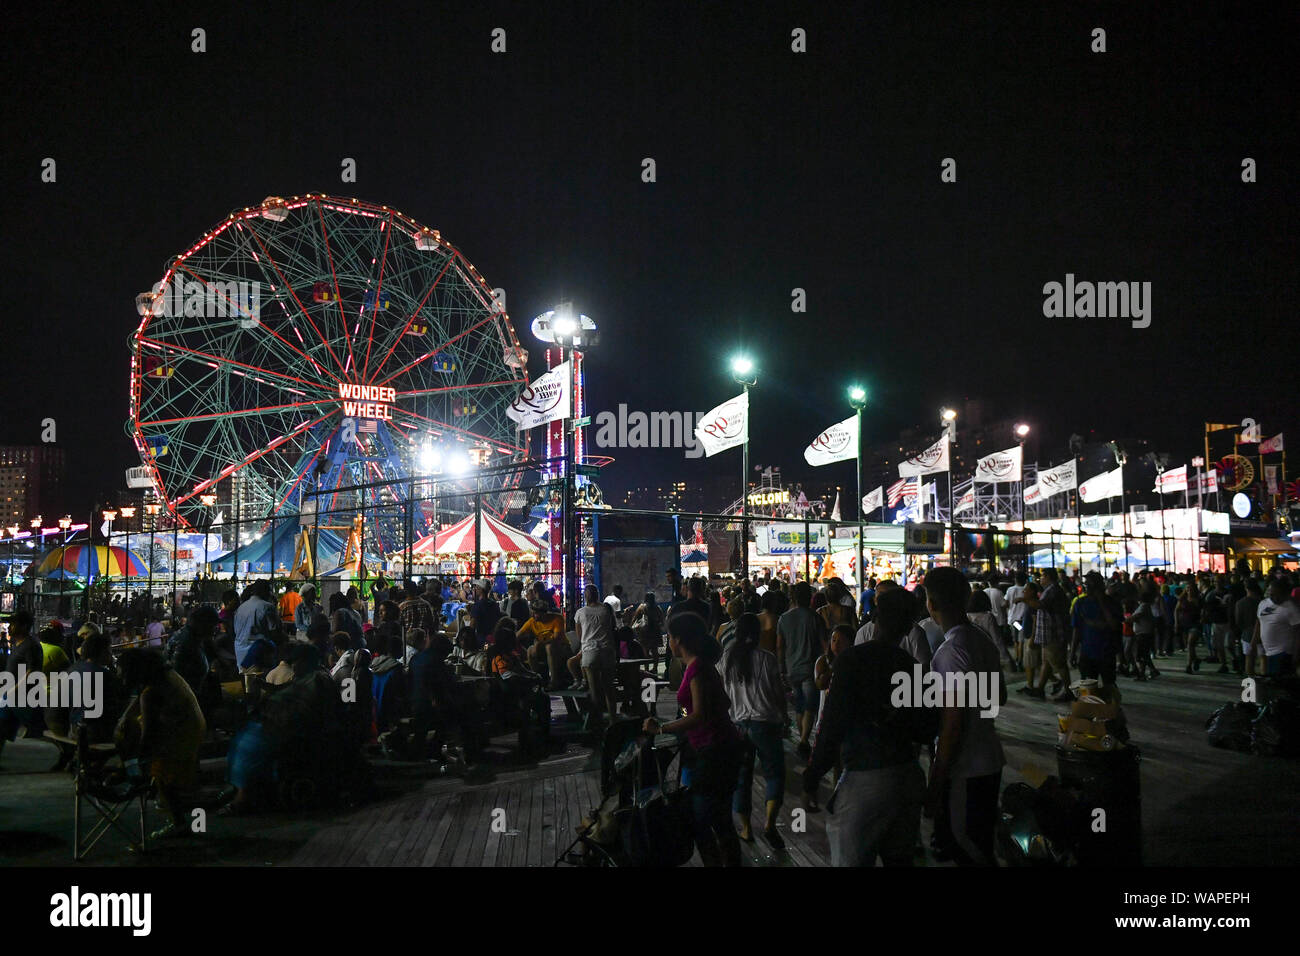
(1230, 726)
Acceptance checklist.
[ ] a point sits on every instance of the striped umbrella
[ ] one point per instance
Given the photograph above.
(84, 561)
(495, 537)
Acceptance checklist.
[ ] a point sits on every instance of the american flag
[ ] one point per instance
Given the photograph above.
(368, 426)
(903, 488)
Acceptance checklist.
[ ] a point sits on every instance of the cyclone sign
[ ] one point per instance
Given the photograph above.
(545, 400)
(837, 443)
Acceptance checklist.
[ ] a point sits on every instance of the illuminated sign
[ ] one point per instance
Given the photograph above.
(768, 497)
(367, 401)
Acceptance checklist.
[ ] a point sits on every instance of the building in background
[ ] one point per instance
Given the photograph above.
(31, 482)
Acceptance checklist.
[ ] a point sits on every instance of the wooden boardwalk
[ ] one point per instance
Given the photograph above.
(449, 822)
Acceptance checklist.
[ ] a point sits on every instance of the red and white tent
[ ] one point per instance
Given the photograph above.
(495, 537)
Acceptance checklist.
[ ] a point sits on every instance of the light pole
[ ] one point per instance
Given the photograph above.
(110, 515)
(151, 509)
(1121, 459)
(948, 419)
(742, 372)
(565, 329)
(127, 512)
(858, 399)
(207, 500)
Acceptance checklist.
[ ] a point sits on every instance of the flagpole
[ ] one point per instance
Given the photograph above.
(858, 398)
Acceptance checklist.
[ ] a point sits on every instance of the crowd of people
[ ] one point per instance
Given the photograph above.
(755, 663)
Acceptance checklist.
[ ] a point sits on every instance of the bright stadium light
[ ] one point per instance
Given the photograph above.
(430, 458)
(1022, 430)
(857, 396)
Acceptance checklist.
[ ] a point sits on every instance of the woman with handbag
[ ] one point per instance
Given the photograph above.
(715, 744)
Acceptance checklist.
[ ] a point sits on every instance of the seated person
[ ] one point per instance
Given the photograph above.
(282, 673)
(162, 729)
(520, 684)
(304, 718)
(191, 649)
(549, 645)
(388, 684)
(96, 658)
(342, 657)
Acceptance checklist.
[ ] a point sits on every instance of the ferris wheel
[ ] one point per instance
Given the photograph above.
(317, 343)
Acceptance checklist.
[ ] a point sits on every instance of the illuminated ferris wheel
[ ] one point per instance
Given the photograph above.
(323, 343)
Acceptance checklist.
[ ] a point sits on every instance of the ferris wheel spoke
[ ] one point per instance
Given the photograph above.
(442, 390)
(252, 457)
(210, 357)
(405, 328)
(264, 326)
(334, 278)
(288, 288)
(432, 352)
(240, 413)
(379, 289)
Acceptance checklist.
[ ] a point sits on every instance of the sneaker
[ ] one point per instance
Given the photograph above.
(1197, 664)
(773, 839)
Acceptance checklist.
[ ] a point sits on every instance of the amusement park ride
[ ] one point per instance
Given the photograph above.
(314, 348)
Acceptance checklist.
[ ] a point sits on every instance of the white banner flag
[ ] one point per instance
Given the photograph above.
(1210, 481)
(1000, 466)
(966, 503)
(1274, 444)
(837, 443)
(1270, 478)
(547, 399)
(1033, 493)
(873, 500)
(1175, 479)
(725, 426)
(933, 459)
(1061, 478)
(1109, 484)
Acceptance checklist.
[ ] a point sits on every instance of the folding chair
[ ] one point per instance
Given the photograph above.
(109, 800)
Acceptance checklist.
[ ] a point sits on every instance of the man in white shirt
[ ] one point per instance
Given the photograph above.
(999, 602)
(1277, 631)
(1015, 613)
(615, 599)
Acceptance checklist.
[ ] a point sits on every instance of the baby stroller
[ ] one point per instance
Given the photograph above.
(633, 793)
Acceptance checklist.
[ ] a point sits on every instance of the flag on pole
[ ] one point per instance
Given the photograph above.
(933, 459)
(903, 489)
(1270, 478)
(1173, 480)
(873, 500)
(1000, 466)
(965, 503)
(1061, 478)
(1210, 481)
(547, 399)
(837, 443)
(1274, 444)
(1033, 493)
(835, 512)
(725, 426)
(1109, 484)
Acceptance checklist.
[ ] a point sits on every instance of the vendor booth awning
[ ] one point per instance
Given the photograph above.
(495, 537)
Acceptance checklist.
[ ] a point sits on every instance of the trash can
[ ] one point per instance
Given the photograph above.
(1110, 781)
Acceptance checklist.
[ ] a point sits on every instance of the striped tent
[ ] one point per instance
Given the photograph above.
(495, 537)
(85, 561)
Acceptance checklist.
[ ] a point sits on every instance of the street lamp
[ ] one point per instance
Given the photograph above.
(207, 500)
(127, 512)
(744, 375)
(13, 530)
(1121, 459)
(152, 508)
(948, 419)
(110, 515)
(1022, 432)
(858, 399)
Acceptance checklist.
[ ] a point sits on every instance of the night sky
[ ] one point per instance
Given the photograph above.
(776, 170)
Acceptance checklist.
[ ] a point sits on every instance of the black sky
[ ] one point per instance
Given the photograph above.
(775, 170)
